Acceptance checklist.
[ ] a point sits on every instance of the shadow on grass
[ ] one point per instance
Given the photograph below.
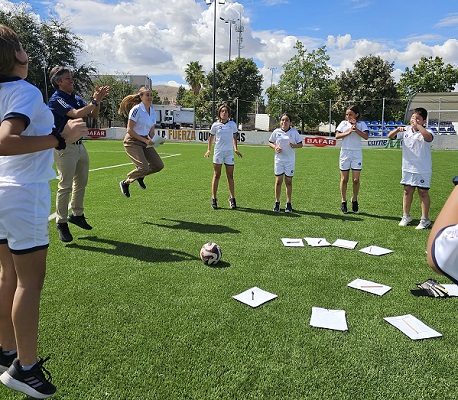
(219, 265)
(194, 226)
(132, 250)
(267, 212)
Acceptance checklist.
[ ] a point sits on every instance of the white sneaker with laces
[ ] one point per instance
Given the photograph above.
(424, 223)
(405, 220)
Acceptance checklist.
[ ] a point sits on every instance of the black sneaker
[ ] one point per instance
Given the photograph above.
(288, 208)
(6, 361)
(64, 232)
(354, 206)
(80, 221)
(232, 203)
(35, 383)
(141, 183)
(124, 188)
(276, 207)
(214, 204)
(343, 207)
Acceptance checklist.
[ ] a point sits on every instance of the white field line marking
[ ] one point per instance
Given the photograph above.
(54, 215)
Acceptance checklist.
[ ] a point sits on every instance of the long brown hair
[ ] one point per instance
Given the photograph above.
(10, 44)
(131, 100)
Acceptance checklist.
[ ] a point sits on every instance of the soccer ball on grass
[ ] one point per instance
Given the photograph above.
(210, 253)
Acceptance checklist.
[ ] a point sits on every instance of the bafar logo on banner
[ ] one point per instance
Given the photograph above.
(319, 141)
(97, 133)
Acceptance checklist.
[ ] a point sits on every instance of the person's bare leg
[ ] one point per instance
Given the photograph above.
(8, 282)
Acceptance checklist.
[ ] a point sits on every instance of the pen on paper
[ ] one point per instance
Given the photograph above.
(292, 241)
(319, 241)
(252, 295)
(371, 286)
(410, 326)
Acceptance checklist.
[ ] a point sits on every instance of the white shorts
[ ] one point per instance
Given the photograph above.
(444, 252)
(284, 167)
(223, 157)
(350, 159)
(24, 212)
(421, 181)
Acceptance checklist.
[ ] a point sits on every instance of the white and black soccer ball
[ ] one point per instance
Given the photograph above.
(210, 253)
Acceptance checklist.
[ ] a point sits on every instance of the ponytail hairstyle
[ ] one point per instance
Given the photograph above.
(131, 100)
(355, 109)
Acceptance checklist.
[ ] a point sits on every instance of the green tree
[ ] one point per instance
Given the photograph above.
(304, 88)
(429, 75)
(238, 84)
(367, 85)
(48, 43)
(194, 76)
(180, 95)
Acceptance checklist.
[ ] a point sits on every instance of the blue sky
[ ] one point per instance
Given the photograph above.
(159, 37)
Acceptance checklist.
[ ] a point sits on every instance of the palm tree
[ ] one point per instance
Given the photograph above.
(194, 76)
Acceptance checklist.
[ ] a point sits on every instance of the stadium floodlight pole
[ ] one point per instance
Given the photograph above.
(230, 22)
(208, 2)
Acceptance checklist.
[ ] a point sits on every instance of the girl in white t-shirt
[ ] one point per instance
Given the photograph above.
(284, 141)
(26, 134)
(224, 133)
(351, 130)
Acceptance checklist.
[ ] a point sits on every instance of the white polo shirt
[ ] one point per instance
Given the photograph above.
(224, 135)
(281, 138)
(444, 251)
(20, 99)
(144, 121)
(416, 151)
(353, 140)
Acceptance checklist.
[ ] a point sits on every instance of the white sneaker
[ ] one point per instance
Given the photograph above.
(424, 223)
(405, 220)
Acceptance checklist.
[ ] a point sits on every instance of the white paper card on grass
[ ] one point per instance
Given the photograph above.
(289, 242)
(345, 244)
(317, 242)
(412, 327)
(369, 286)
(376, 251)
(254, 297)
(451, 288)
(328, 319)
(157, 139)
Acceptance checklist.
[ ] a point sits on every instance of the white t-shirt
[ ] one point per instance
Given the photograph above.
(444, 251)
(281, 138)
(224, 135)
(416, 151)
(20, 99)
(144, 121)
(353, 140)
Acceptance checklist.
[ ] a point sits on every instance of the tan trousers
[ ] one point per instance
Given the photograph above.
(73, 167)
(146, 159)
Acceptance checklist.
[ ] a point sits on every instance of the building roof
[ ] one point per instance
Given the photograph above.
(440, 106)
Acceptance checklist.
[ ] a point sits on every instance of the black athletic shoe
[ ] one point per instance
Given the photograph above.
(343, 207)
(124, 188)
(141, 183)
(214, 204)
(276, 207)
(36, 383)
(288, 208)
(354, 206)
(80, 221)
(64, 232)
(232, 203)
(6, 361)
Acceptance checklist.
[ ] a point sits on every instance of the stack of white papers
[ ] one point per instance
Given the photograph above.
(452, 289)
(412, 327)
(317, 242)
(375, 251)
(157, 139)
(345, 244)
(369, 286)
(292, 242)
(329, 319)
(254, 297)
